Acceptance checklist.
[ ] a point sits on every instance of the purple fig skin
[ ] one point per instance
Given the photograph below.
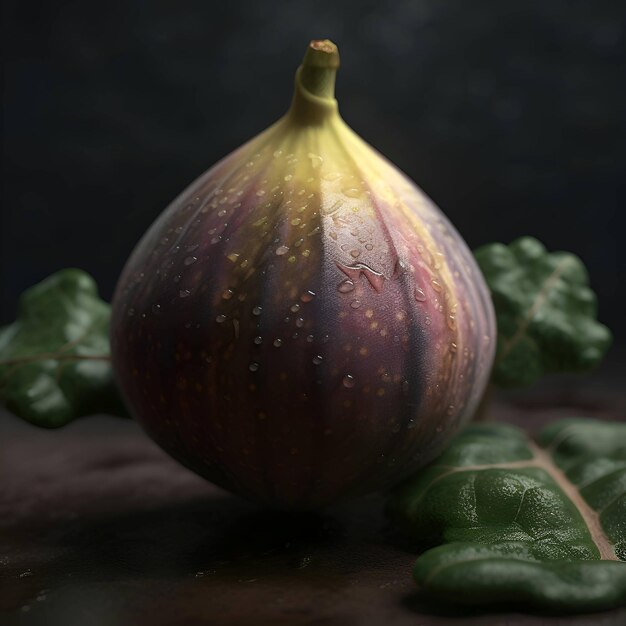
(302, 324)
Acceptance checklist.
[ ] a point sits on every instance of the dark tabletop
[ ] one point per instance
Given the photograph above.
(98, 527)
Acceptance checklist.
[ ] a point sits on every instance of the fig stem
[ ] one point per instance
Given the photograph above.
(314, 95)
(319, 68)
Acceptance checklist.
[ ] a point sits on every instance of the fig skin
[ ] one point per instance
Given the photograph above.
(302, 324)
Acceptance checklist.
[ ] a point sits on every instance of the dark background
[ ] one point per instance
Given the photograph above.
(511, 115)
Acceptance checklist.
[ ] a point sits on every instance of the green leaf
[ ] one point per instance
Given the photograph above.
(54, 359)
(541, 526)
(545, 312)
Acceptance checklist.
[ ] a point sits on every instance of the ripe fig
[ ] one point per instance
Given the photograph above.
(302, 324)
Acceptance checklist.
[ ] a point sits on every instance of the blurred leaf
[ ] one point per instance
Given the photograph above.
(54, 359)
(545, 312)
(540, 526)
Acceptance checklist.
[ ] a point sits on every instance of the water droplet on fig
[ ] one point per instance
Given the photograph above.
(453, 348)
(227, 294)
(345, 286)
(257, 310)
(355, 304)
(310, 338)
(436, 285)
(308, 296)
(317, 359)
(316, 159)
(253, 367)
(156, 308)
(351, 192)
(452, 321)
(282, 250)
(295, 308)
(233, 256)
(420, 296)
(355, 253)
(220, 318)
(300, 322)
(183, 293)
(216, 239)
(258, 340)
(278, 343)
(348, 381)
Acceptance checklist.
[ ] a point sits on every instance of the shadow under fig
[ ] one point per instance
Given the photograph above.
(421, 604)
(224, 538)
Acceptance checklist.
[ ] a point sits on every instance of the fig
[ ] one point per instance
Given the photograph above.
(302, 324)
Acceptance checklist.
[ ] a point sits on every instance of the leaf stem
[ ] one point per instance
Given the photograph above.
(540, 298)
(589, 515)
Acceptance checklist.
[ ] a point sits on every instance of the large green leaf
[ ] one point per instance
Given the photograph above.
(545, 312)
(54, 359)
(540, 526)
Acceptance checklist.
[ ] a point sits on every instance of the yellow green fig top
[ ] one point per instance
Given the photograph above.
(302, 324)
